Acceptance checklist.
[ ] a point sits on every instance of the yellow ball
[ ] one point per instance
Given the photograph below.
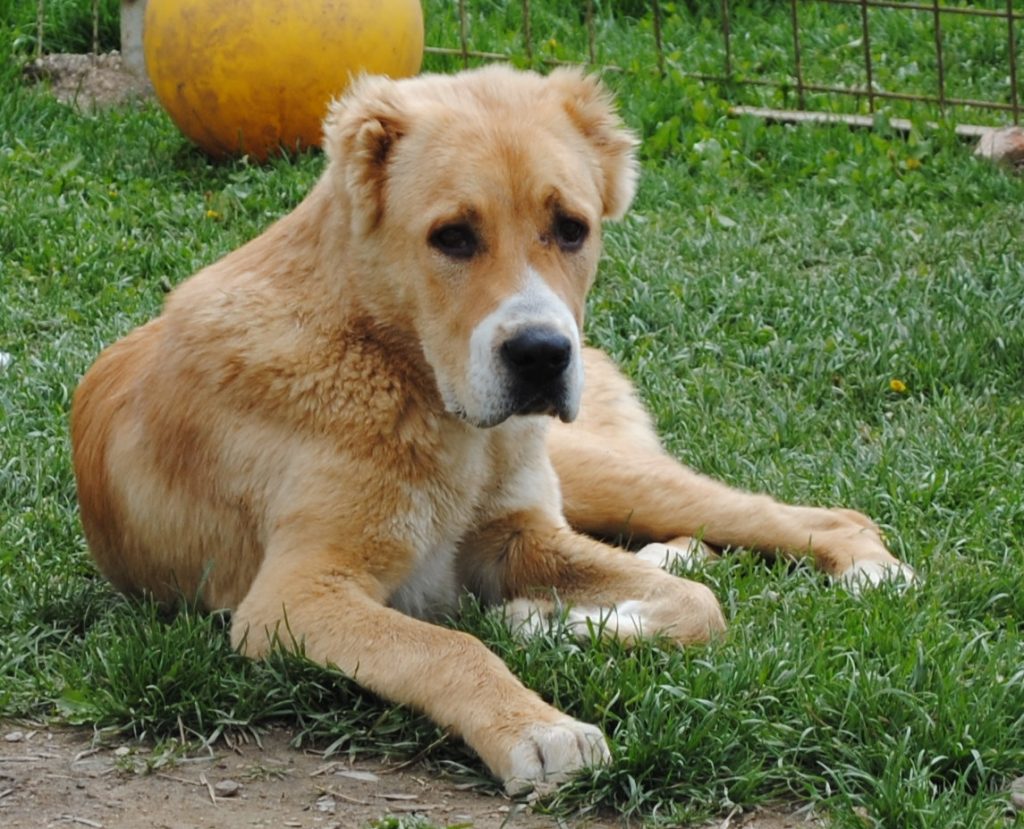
(254, 76)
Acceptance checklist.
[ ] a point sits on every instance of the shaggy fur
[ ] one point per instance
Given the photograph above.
(347, 422)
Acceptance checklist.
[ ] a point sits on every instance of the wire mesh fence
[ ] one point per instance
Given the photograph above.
(970, 71)
(957, 60)
(88, 15)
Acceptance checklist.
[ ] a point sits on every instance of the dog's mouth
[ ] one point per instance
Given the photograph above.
(555, 402)
(552, 402)
(537, 406)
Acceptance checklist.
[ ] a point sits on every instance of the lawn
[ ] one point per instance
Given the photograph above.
(836, 317)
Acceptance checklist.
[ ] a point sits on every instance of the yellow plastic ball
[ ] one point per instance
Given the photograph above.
(256, 76)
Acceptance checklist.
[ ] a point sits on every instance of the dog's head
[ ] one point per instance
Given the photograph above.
(475, 203)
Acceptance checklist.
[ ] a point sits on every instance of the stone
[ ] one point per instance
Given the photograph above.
(1004, 146)
(226, 788)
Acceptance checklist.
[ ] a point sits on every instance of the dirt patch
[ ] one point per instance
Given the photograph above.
(57, 777)
(88, 81)
(71, 778)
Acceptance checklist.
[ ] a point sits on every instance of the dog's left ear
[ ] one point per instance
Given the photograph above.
(360, 132)
(591, 108)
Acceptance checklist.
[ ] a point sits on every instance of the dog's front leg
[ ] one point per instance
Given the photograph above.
(542, 563)
(317, 602)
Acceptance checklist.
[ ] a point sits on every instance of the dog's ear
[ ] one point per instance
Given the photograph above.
(360, 132)
(590, 107)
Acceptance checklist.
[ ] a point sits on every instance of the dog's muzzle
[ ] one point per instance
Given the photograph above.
(537, 359)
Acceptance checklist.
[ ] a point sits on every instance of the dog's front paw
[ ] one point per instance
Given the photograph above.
(548, 754)
(863, 575)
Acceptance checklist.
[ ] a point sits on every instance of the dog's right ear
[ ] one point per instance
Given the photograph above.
(360, 132)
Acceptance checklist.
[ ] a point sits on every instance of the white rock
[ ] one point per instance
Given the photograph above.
(226, 788)
(326, 804)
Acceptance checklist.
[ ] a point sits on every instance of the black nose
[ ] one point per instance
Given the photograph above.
(537, 355)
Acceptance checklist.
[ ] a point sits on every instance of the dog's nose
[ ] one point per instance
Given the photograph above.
(537, 355)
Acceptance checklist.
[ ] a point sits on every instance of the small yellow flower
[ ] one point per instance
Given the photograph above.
(912, 163)
(897, 385)
(212, 214)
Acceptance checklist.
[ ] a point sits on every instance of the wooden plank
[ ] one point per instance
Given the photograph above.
(794, 116)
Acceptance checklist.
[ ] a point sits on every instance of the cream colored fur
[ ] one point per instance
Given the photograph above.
(322, 428)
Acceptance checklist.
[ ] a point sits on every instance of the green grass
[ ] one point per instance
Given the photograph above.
(67, 24)
(767, 287)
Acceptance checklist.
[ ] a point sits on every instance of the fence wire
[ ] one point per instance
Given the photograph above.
(797, 80)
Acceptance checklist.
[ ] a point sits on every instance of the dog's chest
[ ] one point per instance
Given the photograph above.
(484, 476)
(431, 591)
(437, 514)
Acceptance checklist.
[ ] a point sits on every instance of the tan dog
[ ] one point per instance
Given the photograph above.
(344, 424)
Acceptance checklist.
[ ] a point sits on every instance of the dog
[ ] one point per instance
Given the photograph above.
(384, 401)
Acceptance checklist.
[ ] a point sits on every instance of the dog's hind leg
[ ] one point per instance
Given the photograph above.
(545, 568)
(616, 480)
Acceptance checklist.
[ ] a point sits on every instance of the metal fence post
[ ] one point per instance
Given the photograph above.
(527, 31)
(592, 34)
(656, 9)
(797, 65)
(464, 33)
(939, 66)
(1011, 43)
(40, 23)
(866, 38)
(725, 37)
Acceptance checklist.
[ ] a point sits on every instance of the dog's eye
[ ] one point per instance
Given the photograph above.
(570, 233)
(457, 241)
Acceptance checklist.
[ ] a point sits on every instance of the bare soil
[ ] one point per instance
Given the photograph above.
(88, 81)
(69, 777)
(57, 777)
